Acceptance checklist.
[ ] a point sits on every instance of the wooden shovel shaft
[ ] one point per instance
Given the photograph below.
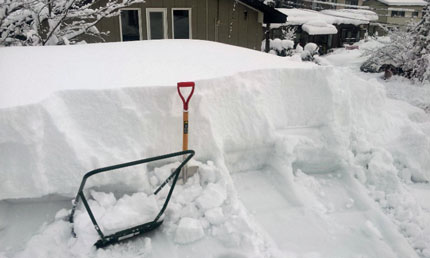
(185, 134)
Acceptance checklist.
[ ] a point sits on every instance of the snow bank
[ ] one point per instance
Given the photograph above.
(118, 65)
(72, 132)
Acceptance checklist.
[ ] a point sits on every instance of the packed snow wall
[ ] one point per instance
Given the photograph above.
(323, 116)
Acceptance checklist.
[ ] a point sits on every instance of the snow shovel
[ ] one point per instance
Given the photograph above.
(186, 171)
(106, 240)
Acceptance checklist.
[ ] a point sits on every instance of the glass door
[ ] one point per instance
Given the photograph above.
(156, 23)
(181, 19)
(130, 25)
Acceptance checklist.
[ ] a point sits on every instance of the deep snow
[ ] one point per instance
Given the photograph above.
(296, 160)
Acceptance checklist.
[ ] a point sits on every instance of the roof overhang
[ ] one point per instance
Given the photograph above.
(271, 15)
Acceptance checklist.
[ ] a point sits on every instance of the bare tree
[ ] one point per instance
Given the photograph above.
(54, 22)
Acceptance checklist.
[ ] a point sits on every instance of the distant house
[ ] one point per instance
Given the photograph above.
(328, 28)
(228, 21)
(396, 12)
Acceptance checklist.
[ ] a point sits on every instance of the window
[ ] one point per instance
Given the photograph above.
(397, 13)
(130, 24)
(156, 23)
(181, 23)
(351, 2)
(415, 14)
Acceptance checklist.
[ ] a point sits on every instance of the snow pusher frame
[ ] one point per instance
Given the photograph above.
(136, 230)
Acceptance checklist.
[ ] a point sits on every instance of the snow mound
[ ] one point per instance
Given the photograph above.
(69, 134)
(47, 70)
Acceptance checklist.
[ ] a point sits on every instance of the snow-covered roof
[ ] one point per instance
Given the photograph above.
(404, 2)
(349, 16)
(321, 23)
(356, 14)
(316, 27)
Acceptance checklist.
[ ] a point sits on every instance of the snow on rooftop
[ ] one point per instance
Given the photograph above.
(303, 16)
(316, 27)
(31, 74)
(357, 14)
(404, 2)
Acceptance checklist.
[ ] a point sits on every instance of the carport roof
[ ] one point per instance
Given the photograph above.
(271, 15)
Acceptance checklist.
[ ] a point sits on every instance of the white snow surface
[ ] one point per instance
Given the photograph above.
(295, 160)
(31, 74)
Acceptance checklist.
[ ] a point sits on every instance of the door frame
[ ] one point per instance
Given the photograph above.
(148, 27)
(190, 19)
(140, 22)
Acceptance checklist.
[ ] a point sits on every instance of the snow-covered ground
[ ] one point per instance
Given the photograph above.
(295, 159)
(396, 87)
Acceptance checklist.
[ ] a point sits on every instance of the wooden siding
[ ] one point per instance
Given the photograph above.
(385, 14)
(214, 20)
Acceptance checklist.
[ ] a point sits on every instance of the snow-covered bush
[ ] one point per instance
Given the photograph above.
(53, 22)
(289, 32)
(419, 54)
(280, 47)
(393, 54)
(310, 50)
(407, 53)
(283, 46)
(299, 48)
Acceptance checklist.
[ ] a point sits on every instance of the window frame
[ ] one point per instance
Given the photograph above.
(190, 21)
(148, 25)
(398, 12)
(140, 22)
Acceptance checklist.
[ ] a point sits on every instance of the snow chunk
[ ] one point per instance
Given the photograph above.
(189, 230)
(215, 216)
(208, 172)
(104, 199)
(213, 196)
(127, 211)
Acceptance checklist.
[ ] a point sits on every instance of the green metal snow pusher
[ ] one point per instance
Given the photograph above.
(136, 230)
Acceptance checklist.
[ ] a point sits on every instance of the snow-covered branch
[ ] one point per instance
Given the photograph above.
(408, 51)
(51, 22)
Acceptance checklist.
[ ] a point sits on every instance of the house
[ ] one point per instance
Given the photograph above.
(327, 28)
(396, 13)
(228, 21)
(353, 25)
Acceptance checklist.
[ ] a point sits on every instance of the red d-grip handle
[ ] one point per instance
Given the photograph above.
(183, 85)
